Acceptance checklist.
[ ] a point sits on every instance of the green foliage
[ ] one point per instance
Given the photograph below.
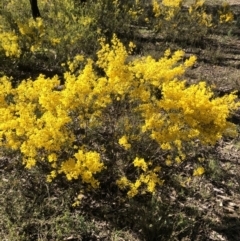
(66, 28)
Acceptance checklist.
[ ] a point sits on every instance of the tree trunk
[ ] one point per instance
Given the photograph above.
(35, 10)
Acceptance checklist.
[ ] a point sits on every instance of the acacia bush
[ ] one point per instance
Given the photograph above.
(95, 123)
(66, 28)
(63, 31)
(179, 21)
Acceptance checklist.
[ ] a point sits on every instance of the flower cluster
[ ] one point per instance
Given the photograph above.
(146, 182)
(225, 15)
(9, 44)
(84, 165)
(124, 142)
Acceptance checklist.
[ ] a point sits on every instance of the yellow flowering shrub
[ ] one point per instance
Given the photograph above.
(80, 130)
(64, 29)
(173, 22)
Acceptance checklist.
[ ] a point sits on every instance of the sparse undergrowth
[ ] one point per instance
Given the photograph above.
(189, 206)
